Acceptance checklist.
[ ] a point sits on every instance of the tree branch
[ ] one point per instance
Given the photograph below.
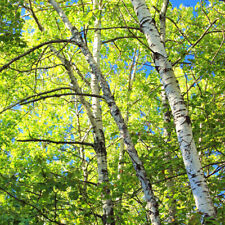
(32, 50)
(25, 102)
(192, 46)
(56, 142)
(162, 17)
(119, 38)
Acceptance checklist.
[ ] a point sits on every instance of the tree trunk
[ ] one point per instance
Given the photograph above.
(181, 119)
(108, 215)
(171, 205)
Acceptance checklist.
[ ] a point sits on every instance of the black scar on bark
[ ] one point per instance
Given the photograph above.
(188, 120)
(140, 6)
(104, 171)
(157, 55)
(138, 167)
(110, 104)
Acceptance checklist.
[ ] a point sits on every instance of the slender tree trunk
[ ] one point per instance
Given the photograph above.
(81, 149)
(133, 69)
(171, 205)
(108, 215)
(100, 149)
(152, 205)
(181, 119)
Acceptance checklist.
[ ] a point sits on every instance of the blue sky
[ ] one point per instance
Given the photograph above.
(176, 3)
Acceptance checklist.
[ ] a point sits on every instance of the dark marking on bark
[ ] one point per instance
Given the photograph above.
(167, 70)
(166, 85)
(156, 56)
(138, 167)
(180, 110)
(110, 104)
(117, 112)
(145, 20)
(188, 120)
(179, 102)
(157, 68)
(168, 78)
(153, 21)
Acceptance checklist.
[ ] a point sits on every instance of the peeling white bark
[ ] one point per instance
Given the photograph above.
(182, 120)
(152, 205)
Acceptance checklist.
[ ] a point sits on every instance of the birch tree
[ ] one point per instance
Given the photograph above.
(181, 118)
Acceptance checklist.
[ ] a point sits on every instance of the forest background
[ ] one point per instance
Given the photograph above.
(74, 153)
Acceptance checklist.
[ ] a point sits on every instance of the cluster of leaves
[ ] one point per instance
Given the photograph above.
(11, 23)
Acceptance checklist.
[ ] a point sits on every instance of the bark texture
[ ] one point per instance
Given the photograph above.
(152, 205)
(182, 120)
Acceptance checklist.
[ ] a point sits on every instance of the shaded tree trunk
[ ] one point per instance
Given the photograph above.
(108, 215)
(171, 204)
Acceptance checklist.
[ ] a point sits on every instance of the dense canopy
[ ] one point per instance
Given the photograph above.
(87, 134)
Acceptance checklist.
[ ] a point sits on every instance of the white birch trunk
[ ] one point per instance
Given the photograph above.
(108, 215)
(100, 149)
(182, 120)
(152, 205)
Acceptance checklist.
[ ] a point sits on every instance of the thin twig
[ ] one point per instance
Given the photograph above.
(222, 42)
(192, 46)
